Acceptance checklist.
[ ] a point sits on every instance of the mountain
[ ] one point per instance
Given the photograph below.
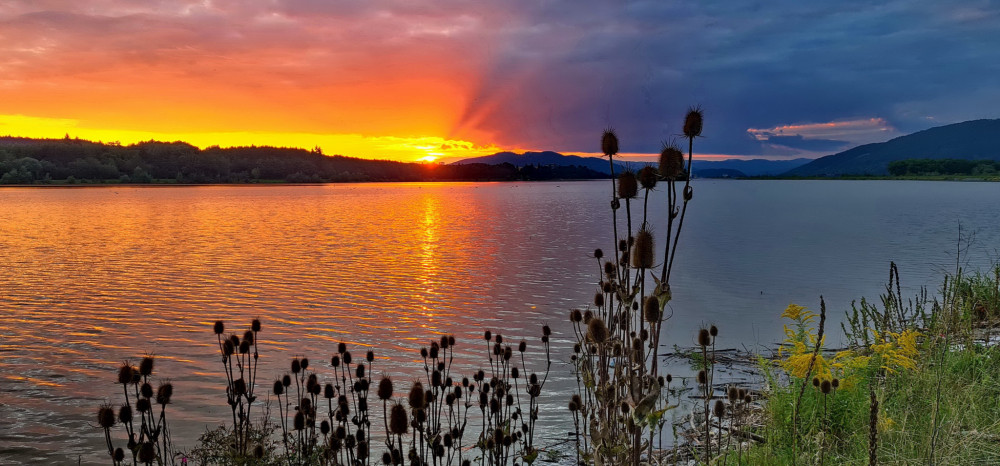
(970, 140)
(752, 167)
(732, 168)
(544, 159)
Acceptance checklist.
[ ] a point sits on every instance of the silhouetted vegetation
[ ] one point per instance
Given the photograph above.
(932, 167)
(71, 161)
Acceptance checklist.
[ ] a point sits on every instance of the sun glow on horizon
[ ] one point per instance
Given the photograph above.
(399, 148)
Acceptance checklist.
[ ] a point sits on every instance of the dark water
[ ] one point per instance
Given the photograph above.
(92, 277)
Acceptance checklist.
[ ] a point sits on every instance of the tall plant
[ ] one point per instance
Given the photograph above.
(618, 337)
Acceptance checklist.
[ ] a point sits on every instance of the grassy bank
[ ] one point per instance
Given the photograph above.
(920, 384)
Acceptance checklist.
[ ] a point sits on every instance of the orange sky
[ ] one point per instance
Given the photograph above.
(210, 73)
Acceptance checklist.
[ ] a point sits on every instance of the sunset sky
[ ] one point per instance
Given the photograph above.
(409, 79)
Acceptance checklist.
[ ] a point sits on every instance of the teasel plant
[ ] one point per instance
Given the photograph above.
(620, 388)
(146, 430)
(240, 358)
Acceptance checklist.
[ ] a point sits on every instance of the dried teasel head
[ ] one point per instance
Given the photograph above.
(163, 393)
(598, 253)
(575, 315)
(816, 381)
(125, 414)
(125, 373)
(255, 325)
(704, 338)
(597, 330)
(384, 389)
(671, 162)
(651, 309)
(416, 396)
(713, 331)
(628, 185)
(218, 327)
(835, 382)
(146, 366)
(693, 122)
(278, 387)
(733, 394)
(398, 419)
(609, 142)
(825, 387)
(106, 416)
(642, 250)
(599, 299)
(648, 177)
(719, 409)
(702, 377)
(147, 453)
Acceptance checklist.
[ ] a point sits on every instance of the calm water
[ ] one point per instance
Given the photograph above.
(91, 277)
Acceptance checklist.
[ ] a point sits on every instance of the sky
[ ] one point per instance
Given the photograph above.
(448, 79)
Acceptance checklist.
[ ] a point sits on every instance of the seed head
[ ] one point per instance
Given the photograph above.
(147, 454)
(255, 325)
(609, 142)
(587, 316)
(733, 394)
(642, 250)
(278, 387)
(599, 299)
(835, 383)
(146, 390)
(385, 388)
(597, 330)
(296, 366)
(702, 377)
(398, 419)
(370, 356)
(119, 455)
(628, 185)
(106, 416)
(163, 393)
(714, 331)
(125, 414)
(416, 396)
(143, 405)
(146, 366)
(286, 380)
(299, 422)
(598, 253)
(575, 315)
(125, 373)
(648, 177)
(651, 309)
(693, 122)
(815, 381)
(704, 338)
(248, 337)
(228, 348)
(825, 387)
(218, 328)
(305, 363)
(671, 162)
(328, 391)
(719, 409)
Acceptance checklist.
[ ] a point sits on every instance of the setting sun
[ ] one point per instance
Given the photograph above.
(427, 159)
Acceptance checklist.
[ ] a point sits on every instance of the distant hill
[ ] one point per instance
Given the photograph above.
(544, 159)
(732, 168)
(71, 161)
(752, 167)
(719, 173)
(970, 140)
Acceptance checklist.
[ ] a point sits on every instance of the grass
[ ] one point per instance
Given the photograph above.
(939, 404)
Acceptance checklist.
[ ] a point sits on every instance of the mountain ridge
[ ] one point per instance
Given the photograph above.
(968, 140)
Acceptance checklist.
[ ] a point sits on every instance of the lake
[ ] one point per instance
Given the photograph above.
(90, 277)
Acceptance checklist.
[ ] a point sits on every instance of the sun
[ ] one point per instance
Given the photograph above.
(427, 159)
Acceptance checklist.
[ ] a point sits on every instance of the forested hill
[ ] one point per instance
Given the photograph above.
(969, 140)
(40, 161)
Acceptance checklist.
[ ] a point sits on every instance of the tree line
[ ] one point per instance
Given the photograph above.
(42, 161)
(927, 167)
